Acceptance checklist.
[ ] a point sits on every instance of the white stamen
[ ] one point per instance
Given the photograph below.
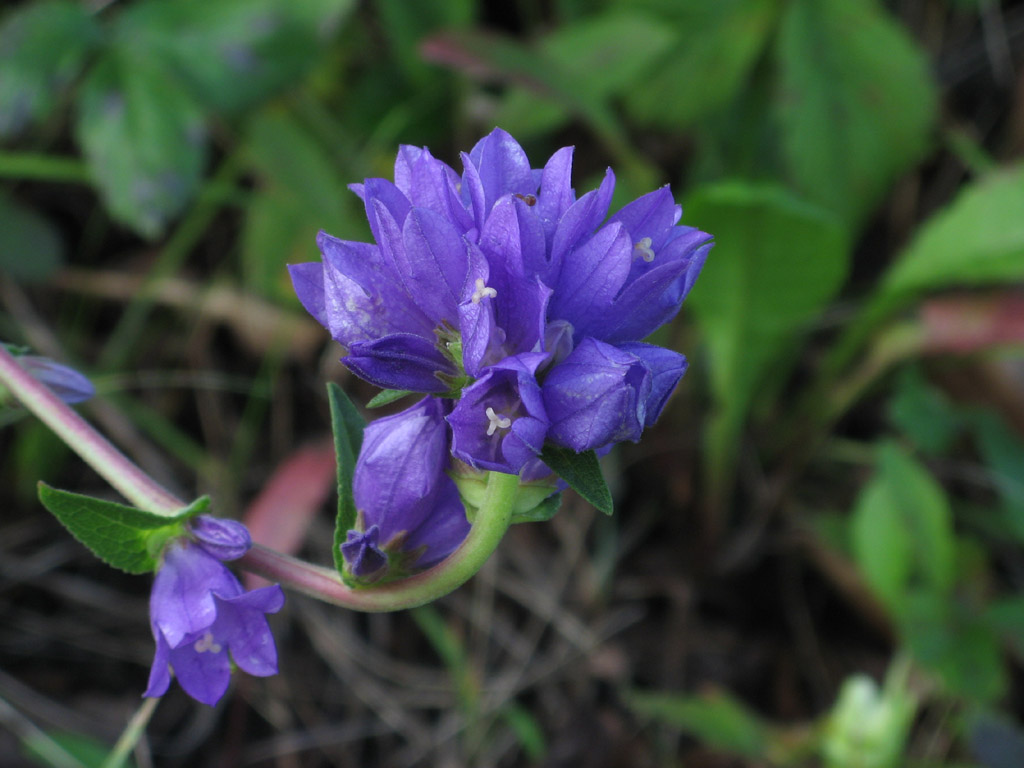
(482, 291)
(643, 250)
(206, 643)
(497, 421)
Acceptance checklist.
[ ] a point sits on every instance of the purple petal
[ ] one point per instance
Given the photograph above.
(430, 183)
(651, 215)
(242, 626)
(556, 194)
(667, 368)
(160, 672)
(444, 530)
(503, 167)
(224, 539)
(596, 396)
(203, 675)
(591, 277)
(434, 263)
(181, 603)
(308, 282)
(580, 220)
(400, 361)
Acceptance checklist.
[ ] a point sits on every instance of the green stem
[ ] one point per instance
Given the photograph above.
(98, 452)
(131, 734)
(40, 167)
(492, 520)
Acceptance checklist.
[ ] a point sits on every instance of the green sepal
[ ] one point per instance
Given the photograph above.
(125, 538)
(387, 396)
(582, 472)
(347, 425)
(540, 513)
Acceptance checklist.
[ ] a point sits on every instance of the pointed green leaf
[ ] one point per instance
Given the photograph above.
(387, 397)
(30, 245)
(348, 426)
(123, 537)
(43, 47)
(855, 103)
(582, 472)
(143, 139)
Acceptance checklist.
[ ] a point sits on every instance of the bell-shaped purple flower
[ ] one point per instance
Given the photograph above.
(199, 612)
(410, 514)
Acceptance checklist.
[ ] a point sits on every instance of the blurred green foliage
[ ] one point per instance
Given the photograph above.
(784, 124)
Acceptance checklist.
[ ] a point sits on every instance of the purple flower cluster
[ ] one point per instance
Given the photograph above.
(512, 301)
(199, 611)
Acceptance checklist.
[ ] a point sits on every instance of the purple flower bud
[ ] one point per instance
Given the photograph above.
(224, 539)
(66, 383)
(198, 612)
(408, 506)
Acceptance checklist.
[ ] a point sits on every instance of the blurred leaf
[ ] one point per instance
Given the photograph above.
(903, 530)
(582, 472)
(89, 752)
(30, 246)
(714, 718)
(716, 44)
(347, 426)
(144, 141)
(1003, 452)
(540, 513)
(977, 240)
(776, 263)
(123, 537)
(923, 413)
(947, 638)
(527, 729)
(1006, 617)
(231, 54)
(278, 231)
(856, 103)
(43, 47)
(407, 24)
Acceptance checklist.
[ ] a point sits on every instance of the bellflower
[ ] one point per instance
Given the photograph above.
(199, 612)
(66, 383)
(409, 513)
(501, 289)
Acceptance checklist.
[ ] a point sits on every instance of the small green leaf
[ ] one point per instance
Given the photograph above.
(776, 263)
(387, 397)
(122, 537)
(540, 513)
(143, 139)
(855, 103)
(714, 718)
(43, 46)
(348, 427)
(903, 530)
(582, 472)
(977, 240)
(30, 246)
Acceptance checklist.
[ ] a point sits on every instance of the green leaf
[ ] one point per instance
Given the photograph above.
(977, 240)
(924, 413)
(715, 719)
(43, 47)
(776, 263)
(144, 141)
(715, 46)
(30, 248)
(1006, 617)
(348, 427)
(902, 530)
(51, 749)
(540, 513)
(230, 54)
(582, 472)
(856, 103)
(1003, 452)
(123, 537)
(387, 396)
